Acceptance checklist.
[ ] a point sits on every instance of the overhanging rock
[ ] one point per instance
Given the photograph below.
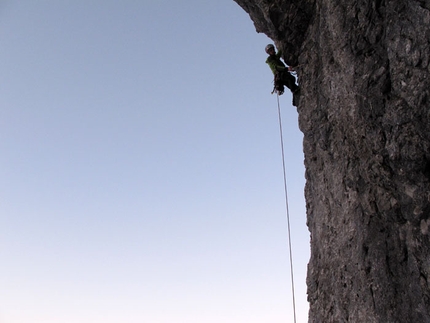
(364, 73)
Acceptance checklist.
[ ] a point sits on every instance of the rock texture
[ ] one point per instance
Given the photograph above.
(364, 110)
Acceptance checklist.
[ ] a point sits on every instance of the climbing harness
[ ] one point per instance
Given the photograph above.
(287, 209)
(278, 86)
(278, 83)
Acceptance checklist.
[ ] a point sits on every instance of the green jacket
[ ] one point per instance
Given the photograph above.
(275, 63)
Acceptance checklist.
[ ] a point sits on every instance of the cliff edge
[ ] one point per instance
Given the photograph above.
(364, 72)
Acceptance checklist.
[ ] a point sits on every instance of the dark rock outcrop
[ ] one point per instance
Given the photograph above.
(364, 73)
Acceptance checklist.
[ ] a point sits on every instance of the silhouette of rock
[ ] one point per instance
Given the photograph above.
(364, 73)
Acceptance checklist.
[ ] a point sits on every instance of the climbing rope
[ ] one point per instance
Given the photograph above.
(287, 210)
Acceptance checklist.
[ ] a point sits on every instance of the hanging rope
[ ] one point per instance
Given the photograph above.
(287, 211)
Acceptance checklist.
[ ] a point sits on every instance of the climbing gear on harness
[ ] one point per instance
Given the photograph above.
(278, 86)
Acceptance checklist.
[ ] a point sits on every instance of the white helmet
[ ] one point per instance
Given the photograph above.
(269, 47)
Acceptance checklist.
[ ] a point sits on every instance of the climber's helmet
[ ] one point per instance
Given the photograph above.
(269, 48)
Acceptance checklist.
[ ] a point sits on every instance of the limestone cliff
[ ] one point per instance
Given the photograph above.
(363, 68)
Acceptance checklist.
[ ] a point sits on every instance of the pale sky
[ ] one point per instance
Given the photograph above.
(140, 166)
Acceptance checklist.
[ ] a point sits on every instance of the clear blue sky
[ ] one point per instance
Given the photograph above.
(140, 166)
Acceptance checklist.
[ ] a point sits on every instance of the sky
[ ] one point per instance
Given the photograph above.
(140, 169)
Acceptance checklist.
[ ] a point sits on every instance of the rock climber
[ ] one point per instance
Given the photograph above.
(281, 72)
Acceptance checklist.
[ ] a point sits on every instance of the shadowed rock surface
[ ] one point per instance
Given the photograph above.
(364, 110)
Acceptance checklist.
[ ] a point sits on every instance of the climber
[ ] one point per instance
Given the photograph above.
(281, 72)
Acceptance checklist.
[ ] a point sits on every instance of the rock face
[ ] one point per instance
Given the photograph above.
(364, 73)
